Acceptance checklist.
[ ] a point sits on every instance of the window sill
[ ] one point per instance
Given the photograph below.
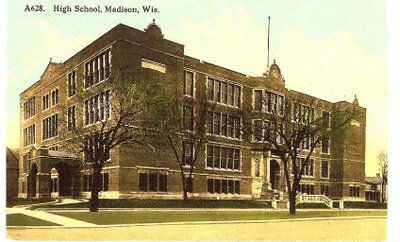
(221, 169)
(225, 105)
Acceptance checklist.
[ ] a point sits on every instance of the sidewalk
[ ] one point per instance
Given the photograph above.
(61, 220)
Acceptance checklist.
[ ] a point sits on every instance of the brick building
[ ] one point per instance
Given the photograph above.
(232, 166)
(12, 172)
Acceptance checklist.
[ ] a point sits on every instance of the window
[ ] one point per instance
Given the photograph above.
(217, 91)
(87, 182)
(98, 107)
(258, 131)
(163, 181)
(326, 119)
(268, 101)
(307, 142)
(354, 191)
(189, 184)
(153, 182)
(50, 127)
(224, 92)
(237, 126)
(210, 156)
(188, 85)
(143, 181)
(325, 145)
(307, 188)
(188, 118)
(229, 159)
(104, 178)
(26, 158)
(210, 84)
(54, 97)
(187, 153)
(230, 94)
(216, 123)
(265, 131)
(93, 150)
(72, 76)
(258, 100)
(280, 105)
(324, 169)
(302, 113)
(30, 135)
(223, 185)
(71, 118)
(223, 158)
(45, 101)
(29, 108)
(55, 147)
(237, 97)
(325, 190)
(98, 68)
(224, 125)
(308, 169)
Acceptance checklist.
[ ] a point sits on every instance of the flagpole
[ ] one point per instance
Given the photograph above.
(269, 23)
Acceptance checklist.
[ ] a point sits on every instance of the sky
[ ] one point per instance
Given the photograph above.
(330, 49)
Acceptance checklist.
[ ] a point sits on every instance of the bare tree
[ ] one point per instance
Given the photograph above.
(383, 170)
(112, 113)
(179, 125)
(293, 128)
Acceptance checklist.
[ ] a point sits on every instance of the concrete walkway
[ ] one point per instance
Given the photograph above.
(368, 229)
(61, 220)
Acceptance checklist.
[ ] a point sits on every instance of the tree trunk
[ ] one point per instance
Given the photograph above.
(94, 198)
(184, 191)
(292, 202)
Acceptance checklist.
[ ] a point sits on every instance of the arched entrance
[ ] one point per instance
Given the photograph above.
(32, 180)
(61, 180)
(274, 174)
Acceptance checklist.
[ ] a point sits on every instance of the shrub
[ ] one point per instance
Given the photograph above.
(365, 205)
(311, 205)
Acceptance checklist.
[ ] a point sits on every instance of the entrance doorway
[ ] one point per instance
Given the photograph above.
(274, 174)
(62, 180)
(32, 180)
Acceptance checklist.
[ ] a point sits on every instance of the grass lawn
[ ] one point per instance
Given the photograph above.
(21, 201)
(131, 203)
(132, 217)
(24, 220)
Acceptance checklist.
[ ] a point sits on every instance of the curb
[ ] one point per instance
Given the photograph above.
(201, 222)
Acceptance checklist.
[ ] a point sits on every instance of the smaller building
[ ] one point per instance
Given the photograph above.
(374, 189)
(12, 172)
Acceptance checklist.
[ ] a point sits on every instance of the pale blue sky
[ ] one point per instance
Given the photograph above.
(331, 49)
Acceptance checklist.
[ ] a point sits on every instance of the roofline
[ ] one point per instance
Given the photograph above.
(77, 53)
(12, 153)
(215, 65)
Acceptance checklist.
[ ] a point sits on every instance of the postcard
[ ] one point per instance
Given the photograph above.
(197, 120)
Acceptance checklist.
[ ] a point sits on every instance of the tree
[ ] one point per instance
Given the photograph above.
(113, 111)
(180, 125)
(383, 171)
(292, 128)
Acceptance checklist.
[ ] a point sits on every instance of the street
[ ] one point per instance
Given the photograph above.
(355, 229)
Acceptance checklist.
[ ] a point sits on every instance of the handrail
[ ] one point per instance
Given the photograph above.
(306, 198)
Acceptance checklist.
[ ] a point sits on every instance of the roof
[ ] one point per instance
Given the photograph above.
(62, 154)
(373, 179)
(12, 157)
